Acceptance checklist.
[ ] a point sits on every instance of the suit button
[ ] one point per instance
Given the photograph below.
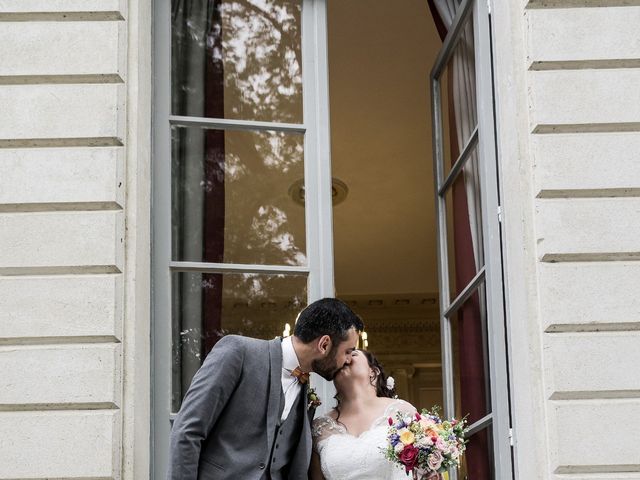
(277, 445)
(280, 432)
(261, 466)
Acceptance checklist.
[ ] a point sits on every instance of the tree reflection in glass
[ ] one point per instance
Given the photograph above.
(230, 204)
(259, 222)
(256, 43)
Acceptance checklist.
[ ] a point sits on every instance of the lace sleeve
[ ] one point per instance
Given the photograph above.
(403, 407)
(322, 428)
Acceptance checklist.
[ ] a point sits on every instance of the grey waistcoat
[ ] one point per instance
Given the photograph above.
(286, 439)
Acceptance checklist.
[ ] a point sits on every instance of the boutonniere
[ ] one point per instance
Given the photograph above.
(313, 400)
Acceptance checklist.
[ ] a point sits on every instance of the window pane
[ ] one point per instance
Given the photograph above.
(206, 306)
(477, 462)
(458, 98)
(470, 358)
(233, 197)
(465, 241)
(238, 59)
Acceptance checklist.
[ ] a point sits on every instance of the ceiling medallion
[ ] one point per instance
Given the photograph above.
(339, 191)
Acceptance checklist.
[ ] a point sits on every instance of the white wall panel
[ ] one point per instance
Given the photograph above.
(61, 111)
(35, 48)
(61, 239)
(594, 225)
(592, 364)
(585, 96)
(582, 161)
(62, 5)
(58, 444)
(583, 34)
(594, 433)
(589, 293)
(60, 175)
(60, 374)
(60, 306)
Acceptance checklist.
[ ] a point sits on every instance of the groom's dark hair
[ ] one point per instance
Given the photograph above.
(328, 316)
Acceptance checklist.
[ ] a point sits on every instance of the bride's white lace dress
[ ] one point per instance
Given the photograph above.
(346, 457)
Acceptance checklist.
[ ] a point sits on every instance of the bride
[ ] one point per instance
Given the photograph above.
(347, 441)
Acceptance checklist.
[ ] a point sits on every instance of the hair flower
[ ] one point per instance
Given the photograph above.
(390, 383)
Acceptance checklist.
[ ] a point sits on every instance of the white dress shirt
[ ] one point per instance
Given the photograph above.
(290, 384)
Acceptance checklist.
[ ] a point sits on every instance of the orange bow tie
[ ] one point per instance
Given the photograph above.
(303, 377)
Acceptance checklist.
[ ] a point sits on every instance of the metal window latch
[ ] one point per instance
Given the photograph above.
(499, 212)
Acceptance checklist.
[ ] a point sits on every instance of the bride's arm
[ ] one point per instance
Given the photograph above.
(315, 472)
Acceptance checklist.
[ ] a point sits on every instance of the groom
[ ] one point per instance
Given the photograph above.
(244, 416)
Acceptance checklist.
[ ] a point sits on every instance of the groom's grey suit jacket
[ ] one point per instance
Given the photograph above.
(227, 424)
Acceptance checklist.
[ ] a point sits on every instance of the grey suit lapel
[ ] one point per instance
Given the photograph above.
(275, 388)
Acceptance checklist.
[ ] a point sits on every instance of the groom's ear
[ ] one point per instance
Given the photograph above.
(324, 344)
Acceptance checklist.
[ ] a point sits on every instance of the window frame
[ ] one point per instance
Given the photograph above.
(318, 199)
(483, 139)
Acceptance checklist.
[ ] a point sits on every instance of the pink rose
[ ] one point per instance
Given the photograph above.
(434, 461)
(409, 457)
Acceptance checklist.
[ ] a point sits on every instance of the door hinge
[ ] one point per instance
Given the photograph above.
(511, 437)
(499, 212)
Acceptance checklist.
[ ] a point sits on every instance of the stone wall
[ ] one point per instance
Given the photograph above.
(74, 242)
(569, 123)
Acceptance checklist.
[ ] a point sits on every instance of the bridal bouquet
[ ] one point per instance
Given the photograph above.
(425, 443)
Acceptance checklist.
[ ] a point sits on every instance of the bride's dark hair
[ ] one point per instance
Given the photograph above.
(378, 380)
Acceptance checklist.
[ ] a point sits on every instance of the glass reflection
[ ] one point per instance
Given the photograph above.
(206, 307)
(237, 59)
(230, 197)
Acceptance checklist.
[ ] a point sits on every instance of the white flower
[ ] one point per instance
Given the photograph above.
(390, 383)
(425, 441)
(399, 447)
(455, 453)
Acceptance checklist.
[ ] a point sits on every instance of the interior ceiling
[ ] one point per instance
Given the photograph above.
(380, 56)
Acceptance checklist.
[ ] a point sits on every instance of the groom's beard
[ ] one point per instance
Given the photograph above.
(326, 367)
